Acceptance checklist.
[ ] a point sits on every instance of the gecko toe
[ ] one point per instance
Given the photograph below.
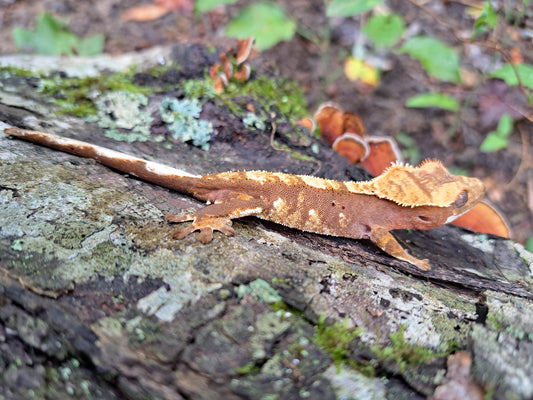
(179, 218)
(205, 235)
(227, 230)
(423, 265)
(181, 233)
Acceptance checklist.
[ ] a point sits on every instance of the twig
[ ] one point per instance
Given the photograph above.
(273, 145)
(473, 3)
(525, 159)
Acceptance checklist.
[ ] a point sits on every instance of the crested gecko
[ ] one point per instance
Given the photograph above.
(403, 197)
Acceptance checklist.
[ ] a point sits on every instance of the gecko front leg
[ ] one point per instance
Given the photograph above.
(216, 217)
(386, 242)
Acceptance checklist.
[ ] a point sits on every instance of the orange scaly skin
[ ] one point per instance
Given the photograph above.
(403, 197)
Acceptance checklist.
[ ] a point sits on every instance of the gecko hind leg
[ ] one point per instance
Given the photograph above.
(386, 242)
(215, 217)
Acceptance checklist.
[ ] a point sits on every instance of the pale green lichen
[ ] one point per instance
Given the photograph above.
(252, 121)
(350, 384)
(502, 363)
(526, 255)
(481, 242)
(182, 119)
(260, 290)
(123, 116)
(267, 327)
(164, 303)
(17, 245)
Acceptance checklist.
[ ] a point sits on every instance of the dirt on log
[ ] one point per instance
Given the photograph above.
(97, 300)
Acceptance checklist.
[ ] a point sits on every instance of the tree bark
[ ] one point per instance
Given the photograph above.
(96, 299)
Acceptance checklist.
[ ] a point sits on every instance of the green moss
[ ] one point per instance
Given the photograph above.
(283, 94)
(495, 323)
(282, 307)
(248, 369)
(454, 346)
(159, 71)
(76, 95)
(9, 71)
(301, 157)
(402, 353)
(278, 281)
(335, 339)
(199, 89)
(294, 154)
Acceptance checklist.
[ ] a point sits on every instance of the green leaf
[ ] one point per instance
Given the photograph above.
(508, 74)
(498, 139)
(438, 100)
(411, 152)
(487, 19)
(438, 59)
(52, 37)
(91, 46)
(529, 243)
(493, 142)
(348, 8)
(266, 22)
(505, 125)
(384, 30)
(208, 5)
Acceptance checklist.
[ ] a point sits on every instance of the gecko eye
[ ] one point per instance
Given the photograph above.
(461, 199)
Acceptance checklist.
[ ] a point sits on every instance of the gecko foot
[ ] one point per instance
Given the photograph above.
(420, 264)
(206, 226)
(386, 242)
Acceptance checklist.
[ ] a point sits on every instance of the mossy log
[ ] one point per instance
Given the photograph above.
(97, 301)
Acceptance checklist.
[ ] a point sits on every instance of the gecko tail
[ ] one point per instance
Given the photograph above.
(147, 170)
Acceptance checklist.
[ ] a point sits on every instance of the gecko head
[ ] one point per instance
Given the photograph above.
(472, 192)
(429, 184)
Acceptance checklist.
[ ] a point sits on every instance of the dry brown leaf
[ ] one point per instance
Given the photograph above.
(497, 98)
(182, 5)
(149, 12)
(516, 56)
(144, 13)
